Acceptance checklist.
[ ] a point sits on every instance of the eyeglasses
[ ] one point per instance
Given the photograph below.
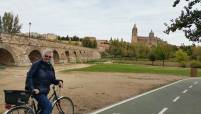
(48, 56)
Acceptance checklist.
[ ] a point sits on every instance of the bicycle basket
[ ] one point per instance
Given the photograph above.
(16, 97)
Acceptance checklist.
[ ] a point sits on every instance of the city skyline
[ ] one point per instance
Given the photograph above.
(99, 18)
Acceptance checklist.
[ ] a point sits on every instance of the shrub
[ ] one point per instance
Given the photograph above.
(182, 64)
(195, 64)
(181, 56)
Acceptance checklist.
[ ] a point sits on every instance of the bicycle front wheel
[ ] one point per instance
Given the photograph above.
(20, 110)
(63, 105)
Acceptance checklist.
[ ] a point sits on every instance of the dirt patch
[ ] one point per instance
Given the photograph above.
(90, 90)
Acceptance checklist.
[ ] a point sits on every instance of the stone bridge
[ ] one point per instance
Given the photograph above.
(22, 51)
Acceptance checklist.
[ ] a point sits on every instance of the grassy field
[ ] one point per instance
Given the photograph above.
(169, 63)
(134, 68)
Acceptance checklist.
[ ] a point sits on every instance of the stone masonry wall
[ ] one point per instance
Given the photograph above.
(21, 47)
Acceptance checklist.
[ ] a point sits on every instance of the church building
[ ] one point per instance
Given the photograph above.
(151, 40)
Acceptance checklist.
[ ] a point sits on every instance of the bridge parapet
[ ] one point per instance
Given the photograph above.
(22, 50)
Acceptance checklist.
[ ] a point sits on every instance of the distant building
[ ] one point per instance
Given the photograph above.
(50, 36)
(35, 35)
(102, 45)
(150, 40)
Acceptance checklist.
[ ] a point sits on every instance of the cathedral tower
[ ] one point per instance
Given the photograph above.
(151, 38)
(134, 35)
(151, 34)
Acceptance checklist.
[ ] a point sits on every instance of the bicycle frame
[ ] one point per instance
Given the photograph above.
(53, 98)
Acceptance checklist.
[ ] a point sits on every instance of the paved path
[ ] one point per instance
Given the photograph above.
(181, 97)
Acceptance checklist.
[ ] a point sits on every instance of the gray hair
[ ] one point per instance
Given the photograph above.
(44, 52)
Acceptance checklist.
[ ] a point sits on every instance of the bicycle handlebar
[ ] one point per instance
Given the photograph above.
(33, 92)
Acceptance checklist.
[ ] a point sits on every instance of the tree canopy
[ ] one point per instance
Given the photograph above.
(89, 42)
(189, 21)
(0, 25)
(9, 23)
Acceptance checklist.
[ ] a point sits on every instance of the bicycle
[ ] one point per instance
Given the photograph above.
(22, 102)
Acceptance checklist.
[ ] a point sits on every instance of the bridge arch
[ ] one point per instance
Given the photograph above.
(75, 53)
(56, 56)
(67, 55)
(34, 55)
(7, 55)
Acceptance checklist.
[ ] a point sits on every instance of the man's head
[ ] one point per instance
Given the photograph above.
(47, 55)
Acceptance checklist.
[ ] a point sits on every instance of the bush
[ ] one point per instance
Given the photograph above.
(181, 56)
(195, 64)
(182, 64)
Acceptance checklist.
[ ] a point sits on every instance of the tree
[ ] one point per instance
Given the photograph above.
(152, 57)
(160, 53)
(187, 49)
(58, 37)
(0, 25)
(181, 56)
(94, 44)
(189, 21)
(74, 38)
(140, 51)
(10, 23)
(196, 53)
(16, 26)
(119, 48)
(67, 38)
(89, 42)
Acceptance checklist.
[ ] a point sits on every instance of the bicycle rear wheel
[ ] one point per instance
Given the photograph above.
(20, 110)
(63, 105)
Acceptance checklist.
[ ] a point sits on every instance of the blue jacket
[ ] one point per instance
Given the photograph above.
(40, 76)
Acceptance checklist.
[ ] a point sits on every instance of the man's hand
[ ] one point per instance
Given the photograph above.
(61, 84)
(36, 91)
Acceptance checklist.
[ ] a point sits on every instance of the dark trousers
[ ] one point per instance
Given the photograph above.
(44, 103)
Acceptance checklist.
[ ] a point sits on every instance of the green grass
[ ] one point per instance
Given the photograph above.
(133, 68)
(98, 61)
(169, 63)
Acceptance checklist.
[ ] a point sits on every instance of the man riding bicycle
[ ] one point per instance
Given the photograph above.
(39, 78)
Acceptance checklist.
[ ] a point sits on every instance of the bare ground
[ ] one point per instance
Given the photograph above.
(89, 90)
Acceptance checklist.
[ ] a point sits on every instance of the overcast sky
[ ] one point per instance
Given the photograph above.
(100, 18)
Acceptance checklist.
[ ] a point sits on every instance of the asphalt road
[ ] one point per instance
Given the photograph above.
(181, 97)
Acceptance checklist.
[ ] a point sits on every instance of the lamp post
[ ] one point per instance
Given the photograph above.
(29, 28)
